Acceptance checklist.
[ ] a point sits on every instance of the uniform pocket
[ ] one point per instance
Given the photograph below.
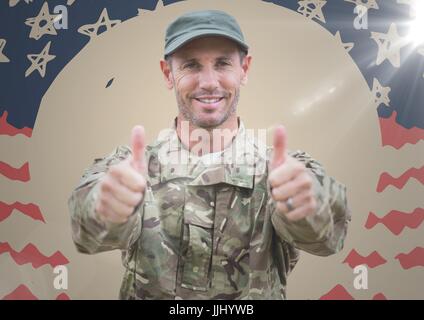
(197, 262)
(157, 257)
(197, 240)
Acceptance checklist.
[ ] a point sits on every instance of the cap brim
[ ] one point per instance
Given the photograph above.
(202, 33)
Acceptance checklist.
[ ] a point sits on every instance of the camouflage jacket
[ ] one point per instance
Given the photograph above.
(208, 230)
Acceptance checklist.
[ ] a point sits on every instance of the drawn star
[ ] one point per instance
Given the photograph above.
(348, 45)
(312, 9)
(39, 61)
(389, 46)
(43, 23)
(369, 4)
(3, 58)
(380, 93)
(13, 3)
(92, 30)
(159, 5)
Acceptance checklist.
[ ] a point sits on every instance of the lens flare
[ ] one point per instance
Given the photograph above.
(416, 30)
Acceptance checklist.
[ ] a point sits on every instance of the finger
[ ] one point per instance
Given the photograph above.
(304, 204)
(296, 214)
(108, 200)
(137, 148)
(302, 212)
(283, 174)
(299, 200)
(291, 188)
(105, 214)
(279, 144)
(128, 176)
(121, 192)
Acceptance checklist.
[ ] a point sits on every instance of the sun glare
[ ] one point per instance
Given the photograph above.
(416, 31)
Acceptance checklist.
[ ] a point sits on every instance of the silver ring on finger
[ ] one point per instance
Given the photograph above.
(289, 204)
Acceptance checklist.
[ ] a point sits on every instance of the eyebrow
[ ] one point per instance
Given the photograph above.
(226, 57)
(185, 60)
(220, 58)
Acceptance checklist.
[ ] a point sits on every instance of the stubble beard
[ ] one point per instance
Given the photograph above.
(188, 115)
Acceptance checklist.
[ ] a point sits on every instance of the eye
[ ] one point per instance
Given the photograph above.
(190, 65)
(223, 63)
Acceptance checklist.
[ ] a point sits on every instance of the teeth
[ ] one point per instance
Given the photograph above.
(209, 100)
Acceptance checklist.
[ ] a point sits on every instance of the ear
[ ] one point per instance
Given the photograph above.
(167, 74)
(245, 68)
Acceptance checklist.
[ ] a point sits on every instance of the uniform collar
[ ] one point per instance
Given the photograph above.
(234, 165)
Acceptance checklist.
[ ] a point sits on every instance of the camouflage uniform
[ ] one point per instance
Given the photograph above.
(207, 230)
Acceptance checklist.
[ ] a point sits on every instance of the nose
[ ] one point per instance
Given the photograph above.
(208, 79)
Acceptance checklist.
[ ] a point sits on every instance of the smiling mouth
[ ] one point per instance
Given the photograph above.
(209, 100)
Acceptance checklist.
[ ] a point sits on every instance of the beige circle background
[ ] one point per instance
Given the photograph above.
(300, 77)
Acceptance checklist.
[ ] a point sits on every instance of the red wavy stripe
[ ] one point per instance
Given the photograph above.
(21, 174)
(30, 254)
(337, 293)
(395, 135)
(30, 210)
(396, 221)
(386, 179)
(340, 293)
(8, 129)
(379, 296)
(373, 260)
(23, 293)
(20, 293)
(415, 258)
(63, 296)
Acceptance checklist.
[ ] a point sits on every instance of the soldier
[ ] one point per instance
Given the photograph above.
(217, 217)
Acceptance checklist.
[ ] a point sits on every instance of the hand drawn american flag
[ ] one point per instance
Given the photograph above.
(33, 53)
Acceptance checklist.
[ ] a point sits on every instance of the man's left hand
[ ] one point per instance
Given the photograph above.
(291, 184)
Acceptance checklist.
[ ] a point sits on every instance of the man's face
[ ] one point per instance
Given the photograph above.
(206, 75)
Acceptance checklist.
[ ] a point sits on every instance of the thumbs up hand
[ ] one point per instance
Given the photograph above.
(123, 186)
(291, 184)
(137, 148)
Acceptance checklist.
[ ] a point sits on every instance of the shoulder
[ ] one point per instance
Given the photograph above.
(118, 154)
(163, 139)
(297, 154)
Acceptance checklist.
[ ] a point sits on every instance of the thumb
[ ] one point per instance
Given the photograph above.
(280, 145)
(137, 147)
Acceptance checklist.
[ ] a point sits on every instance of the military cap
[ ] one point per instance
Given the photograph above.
(198, 24)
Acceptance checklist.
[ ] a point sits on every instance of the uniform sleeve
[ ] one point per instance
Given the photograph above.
(89, 234)
(323, 233)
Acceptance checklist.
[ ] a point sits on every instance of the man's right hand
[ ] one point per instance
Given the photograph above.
(123, 186)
